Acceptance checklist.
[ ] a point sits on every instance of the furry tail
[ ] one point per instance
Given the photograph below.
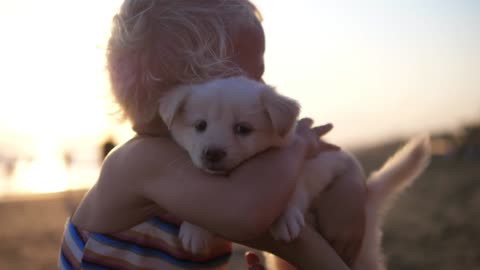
(399, 172)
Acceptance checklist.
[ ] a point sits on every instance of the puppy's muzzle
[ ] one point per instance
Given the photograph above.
(213, 155)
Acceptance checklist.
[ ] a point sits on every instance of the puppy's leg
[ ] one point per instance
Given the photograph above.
(195, 239)
(316, 176)
(289, 225)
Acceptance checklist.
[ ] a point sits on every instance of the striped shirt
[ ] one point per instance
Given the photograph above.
(153, 244)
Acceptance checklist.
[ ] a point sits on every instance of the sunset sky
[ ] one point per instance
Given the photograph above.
(376, 69)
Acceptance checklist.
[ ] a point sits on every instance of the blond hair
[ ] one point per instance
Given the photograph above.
(157, 44)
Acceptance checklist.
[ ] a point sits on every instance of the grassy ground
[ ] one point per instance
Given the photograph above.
(434, 225)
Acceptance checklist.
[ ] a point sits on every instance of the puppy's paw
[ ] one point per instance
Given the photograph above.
(289, 225)
(194, 239)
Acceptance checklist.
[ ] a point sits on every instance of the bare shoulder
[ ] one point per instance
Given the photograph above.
(120, 186)
(140, 146)
(141, 153)
(139, 160)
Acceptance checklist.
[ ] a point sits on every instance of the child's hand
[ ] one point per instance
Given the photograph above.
(340, 217)
(253, 262)
(311, 137)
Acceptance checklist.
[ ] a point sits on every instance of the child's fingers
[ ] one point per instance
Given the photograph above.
(253, 262)
(347, 249)
(340, 248)
(322, 130)
(351, 251)
(325, 147)
(305, 123)
(251, 258)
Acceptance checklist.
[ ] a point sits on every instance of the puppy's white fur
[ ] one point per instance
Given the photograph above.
(225, 104)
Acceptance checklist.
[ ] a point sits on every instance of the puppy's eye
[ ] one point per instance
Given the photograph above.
(242, 129)
(200, 125)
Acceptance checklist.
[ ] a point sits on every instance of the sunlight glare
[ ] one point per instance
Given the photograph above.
(43, 175)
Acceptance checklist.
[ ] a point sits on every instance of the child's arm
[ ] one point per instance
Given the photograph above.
(258, 189)
(338, 218)
(340, 214)
(309, 251)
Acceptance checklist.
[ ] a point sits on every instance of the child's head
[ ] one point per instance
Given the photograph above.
(158, 44)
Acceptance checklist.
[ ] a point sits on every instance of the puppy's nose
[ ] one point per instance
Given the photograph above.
(214, 154)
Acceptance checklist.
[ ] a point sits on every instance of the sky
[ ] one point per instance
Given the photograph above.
(376, 69)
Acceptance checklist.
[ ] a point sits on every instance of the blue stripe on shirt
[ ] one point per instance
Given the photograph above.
(150, 252)
(76, 237)
(64, 261)
(165, 226)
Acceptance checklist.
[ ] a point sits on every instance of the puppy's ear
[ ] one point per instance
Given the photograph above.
(171, 103)
(281, 110)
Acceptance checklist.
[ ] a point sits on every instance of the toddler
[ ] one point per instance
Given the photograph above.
(130, 218)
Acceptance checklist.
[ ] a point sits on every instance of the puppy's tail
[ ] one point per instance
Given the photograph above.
(398, 172)
(382, 186)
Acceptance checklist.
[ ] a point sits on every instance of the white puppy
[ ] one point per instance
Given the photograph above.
(224, 122)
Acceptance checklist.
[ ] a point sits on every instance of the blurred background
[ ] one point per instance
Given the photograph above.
(381, 71)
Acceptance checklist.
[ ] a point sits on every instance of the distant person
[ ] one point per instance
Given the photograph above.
(107, 146)
(67, 159)
(10, 164)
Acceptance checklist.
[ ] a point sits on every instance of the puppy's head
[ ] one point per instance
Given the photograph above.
(223, 122)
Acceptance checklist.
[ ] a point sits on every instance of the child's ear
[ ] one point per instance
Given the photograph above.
(171, 103)
(282, 111)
